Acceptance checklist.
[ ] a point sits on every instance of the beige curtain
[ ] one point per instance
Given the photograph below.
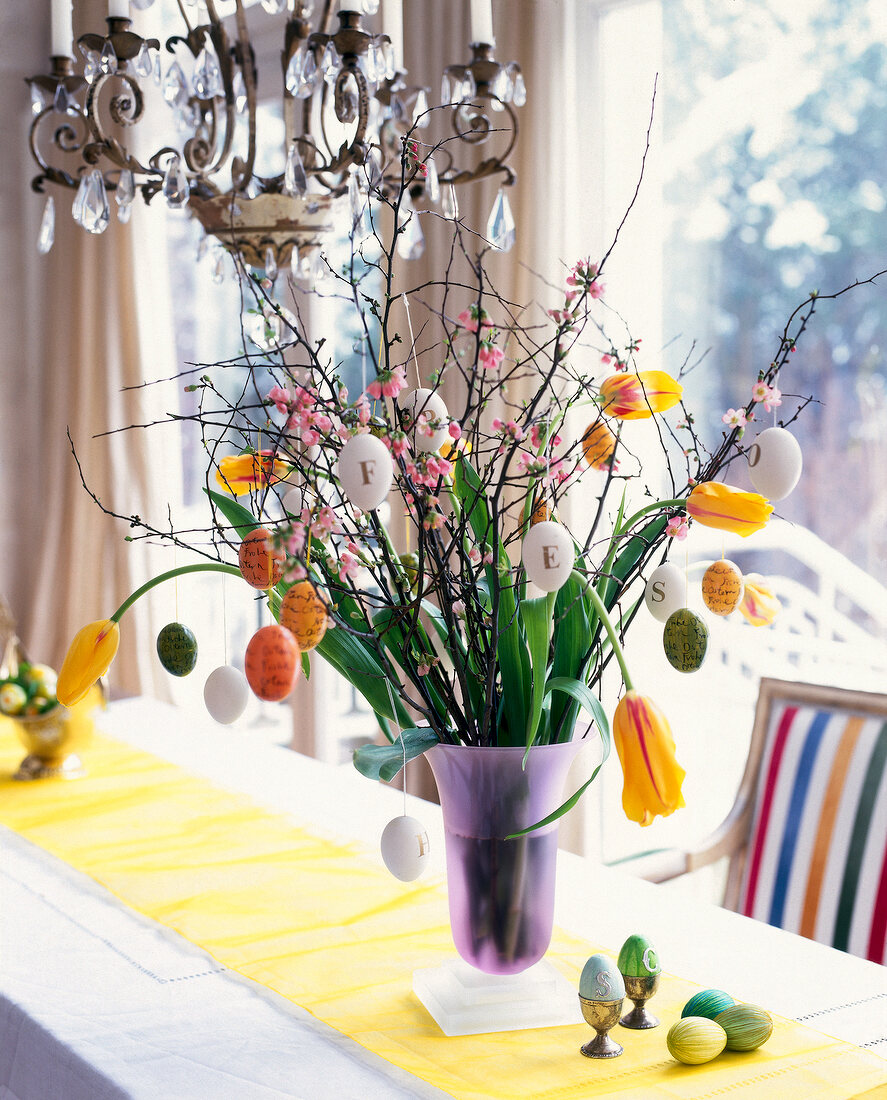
(78, 346)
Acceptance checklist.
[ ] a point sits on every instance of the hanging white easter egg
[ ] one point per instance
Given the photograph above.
(384, 513)
(425, 401)
(775, 462)
(548, 555)
(405, 847)
(295, 500)
(226, 694)
(364, 471)
(666, 591)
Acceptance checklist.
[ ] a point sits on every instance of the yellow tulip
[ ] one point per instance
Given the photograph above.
(598, 445)
(759, 603)
(728, 508)
(89, 656)
(638, 396)
(240, 473)
(653, 777)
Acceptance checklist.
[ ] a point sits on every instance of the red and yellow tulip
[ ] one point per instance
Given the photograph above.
(241, 473)
(727, 508)
(89, 657)
(759, 603)
(598, 445)
(646, 748)
(638, 396)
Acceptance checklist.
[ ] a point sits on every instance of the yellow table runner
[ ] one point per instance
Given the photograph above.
(324, 925)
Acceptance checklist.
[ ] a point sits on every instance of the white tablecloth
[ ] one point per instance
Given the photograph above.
(98, 1002)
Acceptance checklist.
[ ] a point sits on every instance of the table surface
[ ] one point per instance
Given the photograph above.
(97, 1001)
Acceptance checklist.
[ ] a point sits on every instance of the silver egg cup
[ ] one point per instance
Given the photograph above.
(603, 1016)
(640, 990)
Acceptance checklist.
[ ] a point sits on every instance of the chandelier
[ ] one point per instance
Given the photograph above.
(347, 108)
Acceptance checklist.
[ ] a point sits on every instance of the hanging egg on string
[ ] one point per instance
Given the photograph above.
(226, 694)
(304, 613)
(666, 591)
(177, 649)
(722, 587)
(272, 662)
(685, 639)
(426, 402)
(261, 565)
(405, 847)
(295, 500)
(548, 555)
(364, 471)
(775, 462)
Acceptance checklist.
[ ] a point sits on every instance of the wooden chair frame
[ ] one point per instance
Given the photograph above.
(731, 837)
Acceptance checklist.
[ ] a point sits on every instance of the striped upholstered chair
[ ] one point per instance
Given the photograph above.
(807, 835)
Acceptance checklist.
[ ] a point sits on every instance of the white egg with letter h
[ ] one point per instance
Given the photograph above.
(364, 471)
(775, 462)
(405, 847)
(548, 555)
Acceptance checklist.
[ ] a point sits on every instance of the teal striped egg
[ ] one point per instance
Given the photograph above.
(708, 1003)
(685, 639)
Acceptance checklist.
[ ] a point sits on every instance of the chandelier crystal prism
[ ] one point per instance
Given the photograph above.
(343, 96)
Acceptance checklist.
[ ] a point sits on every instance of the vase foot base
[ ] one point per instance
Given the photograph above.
(465, 1001)
(36, 767)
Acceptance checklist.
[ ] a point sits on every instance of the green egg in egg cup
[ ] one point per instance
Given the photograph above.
(639, 965)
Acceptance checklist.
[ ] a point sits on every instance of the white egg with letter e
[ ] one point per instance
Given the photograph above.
(548, 555)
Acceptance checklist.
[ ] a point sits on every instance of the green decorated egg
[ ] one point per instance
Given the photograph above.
(695, 1039)
(13, 698)
(177, 649)
(708, 1003)
(600, 980)
(747, 1026)
(685, 639)
(638, 958)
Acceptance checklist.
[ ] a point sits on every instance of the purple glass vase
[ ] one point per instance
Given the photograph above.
(501, 892)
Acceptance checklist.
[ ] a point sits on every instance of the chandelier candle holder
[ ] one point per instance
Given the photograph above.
(346, 107)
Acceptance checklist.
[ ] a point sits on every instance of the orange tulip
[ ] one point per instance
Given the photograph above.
(638, 396)
(728, 508)
(240, 473)
(89, 656)
(598, 445)
(759, 603)
(653, 777)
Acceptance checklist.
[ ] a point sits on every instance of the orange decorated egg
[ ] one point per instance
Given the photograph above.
(722, 587)
(260, 564)
(304, 613)
(272, 663)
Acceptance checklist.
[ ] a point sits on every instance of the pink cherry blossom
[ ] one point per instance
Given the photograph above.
(773, 399)
(281, 398)
(466, 321)
(489, 357)
(455, 430)
(736, 418)
(388, 383)
(678, 527)
(348, 567)
(759, 391)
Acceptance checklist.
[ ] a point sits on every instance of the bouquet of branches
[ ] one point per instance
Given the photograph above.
(425, 518)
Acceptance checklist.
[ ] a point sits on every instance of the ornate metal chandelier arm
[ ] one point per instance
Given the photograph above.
(242, 170)
(66, 139)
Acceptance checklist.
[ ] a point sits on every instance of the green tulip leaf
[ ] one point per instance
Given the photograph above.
(385, 761)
